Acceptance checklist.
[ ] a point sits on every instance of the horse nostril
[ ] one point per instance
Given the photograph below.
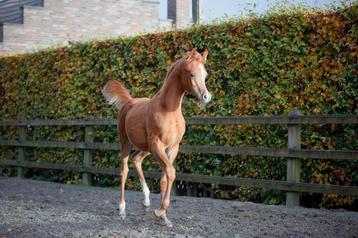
(206, 97)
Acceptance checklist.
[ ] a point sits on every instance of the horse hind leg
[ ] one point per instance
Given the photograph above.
(125, 151)
(137, 163)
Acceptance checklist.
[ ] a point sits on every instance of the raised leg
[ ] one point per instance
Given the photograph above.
(163, 185)
(137, 162)
(158, 152)
(171, 154)
(124, 172)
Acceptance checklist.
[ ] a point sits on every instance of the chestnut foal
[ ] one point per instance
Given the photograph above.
(156, 126)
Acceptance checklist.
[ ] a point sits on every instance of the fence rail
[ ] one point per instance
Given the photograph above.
(293, 153)
(228, 120)
(221, 150)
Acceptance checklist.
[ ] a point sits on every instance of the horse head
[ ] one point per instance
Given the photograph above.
(195, 74)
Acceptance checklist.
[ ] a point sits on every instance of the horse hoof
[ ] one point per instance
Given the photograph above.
(162, 215)
(146, 208)
(122, 215)
(146, 205)
(157, 213)
(168, 224)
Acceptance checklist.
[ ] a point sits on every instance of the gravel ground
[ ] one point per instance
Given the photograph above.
(42, 209)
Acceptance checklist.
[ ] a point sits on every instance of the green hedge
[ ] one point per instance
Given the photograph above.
(261, 66)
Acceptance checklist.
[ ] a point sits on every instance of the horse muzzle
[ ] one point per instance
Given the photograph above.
(205, 98)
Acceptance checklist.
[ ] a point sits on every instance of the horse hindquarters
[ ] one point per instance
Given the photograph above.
(127, 125)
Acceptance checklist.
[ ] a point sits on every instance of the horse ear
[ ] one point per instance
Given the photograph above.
(205, 54)
(191, 54)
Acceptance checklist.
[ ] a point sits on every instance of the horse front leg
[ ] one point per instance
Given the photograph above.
(158, 151)
(171, 154)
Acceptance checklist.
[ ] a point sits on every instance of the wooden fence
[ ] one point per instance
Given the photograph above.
(293, 153)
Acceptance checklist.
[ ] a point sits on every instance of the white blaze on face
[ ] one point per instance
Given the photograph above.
(203, 74)
(204, 94)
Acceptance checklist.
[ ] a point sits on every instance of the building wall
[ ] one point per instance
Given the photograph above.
(62, 21)
(179, 12)
(10, 10)
(182, 15)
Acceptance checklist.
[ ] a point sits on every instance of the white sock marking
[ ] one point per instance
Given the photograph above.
(146, 193)
(122, 208)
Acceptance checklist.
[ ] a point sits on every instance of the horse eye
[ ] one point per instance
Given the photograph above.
(192, 75)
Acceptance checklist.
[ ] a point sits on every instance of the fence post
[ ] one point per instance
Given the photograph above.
(188, 189)
(87, 156)
(195, 190)
(293, 164)
(21, 151)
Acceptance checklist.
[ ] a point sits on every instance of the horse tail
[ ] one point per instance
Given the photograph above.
(115, 93)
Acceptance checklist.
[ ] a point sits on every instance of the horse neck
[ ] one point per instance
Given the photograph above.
(171, 94)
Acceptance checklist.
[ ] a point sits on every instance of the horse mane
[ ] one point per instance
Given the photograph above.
(172, 67)
(176, 63)
(170, 70)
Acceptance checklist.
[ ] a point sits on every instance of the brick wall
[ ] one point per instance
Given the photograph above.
(61, 21)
